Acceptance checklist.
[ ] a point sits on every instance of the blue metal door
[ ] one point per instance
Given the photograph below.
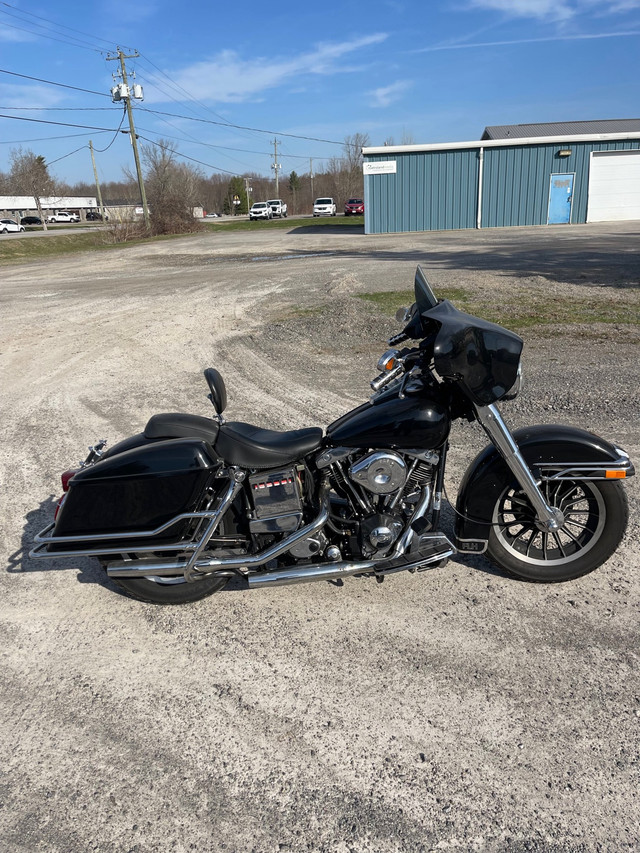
(560, 195)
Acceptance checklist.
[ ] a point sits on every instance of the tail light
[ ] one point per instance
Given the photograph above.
(65, 477)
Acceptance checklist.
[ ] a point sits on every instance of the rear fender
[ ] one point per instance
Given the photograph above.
(552, 452)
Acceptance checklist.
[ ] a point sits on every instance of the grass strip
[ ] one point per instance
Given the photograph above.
(523, 311)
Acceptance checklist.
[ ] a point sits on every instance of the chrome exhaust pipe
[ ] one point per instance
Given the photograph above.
(304, 574)
(170, 568)
(335, 571)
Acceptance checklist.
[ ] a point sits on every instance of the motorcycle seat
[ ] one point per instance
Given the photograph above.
(177, 425)
(252, 447)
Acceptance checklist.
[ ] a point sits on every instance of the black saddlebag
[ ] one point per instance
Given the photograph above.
(140, 489)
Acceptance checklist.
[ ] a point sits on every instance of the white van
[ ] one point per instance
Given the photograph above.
(324, 207)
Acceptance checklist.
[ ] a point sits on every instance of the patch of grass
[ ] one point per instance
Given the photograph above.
(43, 248)
(521, 312)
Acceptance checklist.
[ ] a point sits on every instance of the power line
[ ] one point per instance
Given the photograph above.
(53, 83)
(59, 123)
(243, 127)
(184, 91)
(115, 135)
(185, 157)
(60, 26)
(51, 162)
(51, 38)
(59, 109)
(45, 138)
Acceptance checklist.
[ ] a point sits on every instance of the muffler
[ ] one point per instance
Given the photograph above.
(334, 571)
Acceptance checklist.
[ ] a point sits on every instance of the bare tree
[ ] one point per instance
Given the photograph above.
(346, 171)
(173, 188)
(30, 176)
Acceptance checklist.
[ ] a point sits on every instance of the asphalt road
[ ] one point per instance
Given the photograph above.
(452, 710)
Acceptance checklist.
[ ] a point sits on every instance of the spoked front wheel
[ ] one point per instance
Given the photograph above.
(595, 519)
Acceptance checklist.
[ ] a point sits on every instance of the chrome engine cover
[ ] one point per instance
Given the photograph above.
(382, 472)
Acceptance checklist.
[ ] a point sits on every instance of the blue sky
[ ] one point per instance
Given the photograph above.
(414, 70)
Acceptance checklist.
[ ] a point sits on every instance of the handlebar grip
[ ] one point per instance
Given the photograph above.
(398, 339)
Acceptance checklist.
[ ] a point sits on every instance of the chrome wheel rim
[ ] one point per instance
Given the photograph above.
(584, 512)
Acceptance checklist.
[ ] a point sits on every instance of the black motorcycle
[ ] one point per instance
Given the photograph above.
(175, 512)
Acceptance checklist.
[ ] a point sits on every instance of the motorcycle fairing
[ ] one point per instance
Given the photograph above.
(480, 356)
(550, 451)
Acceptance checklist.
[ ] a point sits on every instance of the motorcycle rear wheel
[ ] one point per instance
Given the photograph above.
(595, 520)
(160, 590)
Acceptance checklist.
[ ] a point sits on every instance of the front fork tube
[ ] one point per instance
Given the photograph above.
(439, 487)
(549, 518)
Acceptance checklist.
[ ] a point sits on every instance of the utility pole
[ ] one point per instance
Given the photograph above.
(247, 190)
(276, 166)
(123, 93)
(95, 174)
(311, 176)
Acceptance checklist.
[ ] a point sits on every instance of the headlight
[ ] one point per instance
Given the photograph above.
(517, 386)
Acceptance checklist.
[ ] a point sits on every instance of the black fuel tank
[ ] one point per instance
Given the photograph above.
(412, 422)
(138, 489)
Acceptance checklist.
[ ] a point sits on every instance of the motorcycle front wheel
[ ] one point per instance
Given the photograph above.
(595, 519)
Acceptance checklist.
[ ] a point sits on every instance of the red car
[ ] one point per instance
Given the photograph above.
(354, 207)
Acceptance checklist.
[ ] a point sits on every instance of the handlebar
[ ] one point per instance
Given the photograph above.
(398, 339)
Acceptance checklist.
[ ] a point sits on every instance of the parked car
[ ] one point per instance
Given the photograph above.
(7, 225)
(31, 220)
(354, 207)
(324, 207)
(260, 210)
(95, 216)
(63, 216)
(212, 216)
(278, 207)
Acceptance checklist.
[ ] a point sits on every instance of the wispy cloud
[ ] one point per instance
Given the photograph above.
(386, 95)
(230, 78)
(19, 95)
(10, 33)
(555, 10)
(567, 37)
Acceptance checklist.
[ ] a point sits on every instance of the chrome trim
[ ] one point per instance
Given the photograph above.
(194, 568)
(303, 574)
(336, 571)
(386, 357)
(405, 540)
(214, 515)
(491, 421)
(583, 471)
(386, 378)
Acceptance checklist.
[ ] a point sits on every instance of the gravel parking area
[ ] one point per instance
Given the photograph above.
(456, 709)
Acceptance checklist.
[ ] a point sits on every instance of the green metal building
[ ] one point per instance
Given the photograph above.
(506, 179)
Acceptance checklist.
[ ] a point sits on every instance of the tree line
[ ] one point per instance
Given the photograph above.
(174, 188)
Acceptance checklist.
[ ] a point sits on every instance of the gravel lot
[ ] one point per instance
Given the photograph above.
(452, 710)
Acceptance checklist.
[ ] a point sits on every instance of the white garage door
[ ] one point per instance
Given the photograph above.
(614, 186)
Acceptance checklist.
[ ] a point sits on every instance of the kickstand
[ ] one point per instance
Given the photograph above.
(336, 582)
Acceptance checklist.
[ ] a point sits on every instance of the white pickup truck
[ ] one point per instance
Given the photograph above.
(63, 216)
(278, 207)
